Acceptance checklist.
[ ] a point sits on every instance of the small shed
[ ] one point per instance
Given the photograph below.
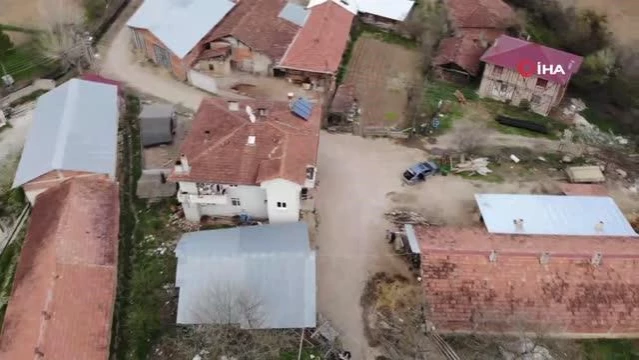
(157, 124)
(585, 174)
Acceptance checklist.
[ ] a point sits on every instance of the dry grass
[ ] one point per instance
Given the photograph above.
(622, 16)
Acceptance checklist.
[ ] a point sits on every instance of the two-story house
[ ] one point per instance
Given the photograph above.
(517, 70)
(251, 157)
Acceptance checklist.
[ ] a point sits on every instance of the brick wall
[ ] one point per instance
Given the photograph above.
(567, 296)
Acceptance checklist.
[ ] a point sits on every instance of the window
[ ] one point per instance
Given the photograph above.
(542, 82)
(235, 202)
(536, 99)
(211, 67)
(503, 87)
(310, 173)
(207, 46)
(281, 205)
(497, 70)
(138, 40)
(162, 56)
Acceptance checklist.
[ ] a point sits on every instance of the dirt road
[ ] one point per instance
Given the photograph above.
(12, 139)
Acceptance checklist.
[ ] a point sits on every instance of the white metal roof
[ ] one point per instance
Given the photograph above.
(270, 265)
(180, 24)
(553, 215)
(75, 127)
(390, 9)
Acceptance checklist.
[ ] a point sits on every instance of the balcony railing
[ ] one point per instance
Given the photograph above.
(203, 199)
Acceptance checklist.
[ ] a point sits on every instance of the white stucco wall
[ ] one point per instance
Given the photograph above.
(280, 190)
(252, 202)
(32, 194)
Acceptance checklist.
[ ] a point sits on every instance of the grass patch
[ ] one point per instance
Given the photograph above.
(603, 121)
(25, 62)
(8, 264)
(610, 350)
(306, 355)
(498, 108)
(146, 262)
(491, 177)
(387, 36)
(437, 91)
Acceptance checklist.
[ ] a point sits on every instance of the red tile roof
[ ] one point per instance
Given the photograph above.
(320, 44)
(64, 288)
(285, 144)
(584, 189)
(465, 49)
(566, 296)
(100, 79)
(509, 52)
(257, 24)
(487, 14)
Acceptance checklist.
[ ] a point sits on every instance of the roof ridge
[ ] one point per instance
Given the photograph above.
(63, 131)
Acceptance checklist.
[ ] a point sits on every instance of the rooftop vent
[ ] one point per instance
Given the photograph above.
(251, 140)
(544, 258)
(596, 259)
(492, 257)
(249, 112)
(599, 227)
(262, 111)
(234, 106)
(519, 224)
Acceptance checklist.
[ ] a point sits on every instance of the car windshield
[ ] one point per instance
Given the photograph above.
(409, 175)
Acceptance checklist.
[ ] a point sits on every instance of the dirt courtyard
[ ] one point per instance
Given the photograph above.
(29, 13)
(359, 180)
(382, 73)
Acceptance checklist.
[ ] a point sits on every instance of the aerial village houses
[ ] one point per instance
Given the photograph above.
(474, 25)
(63, 296)
(541, 265)
(249, 157)
(204, 40)
(510, 59)
(270, 269)
(57, 148)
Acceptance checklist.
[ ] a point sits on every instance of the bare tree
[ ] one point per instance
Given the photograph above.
(229, 318)
(470, 137)
(62, 37)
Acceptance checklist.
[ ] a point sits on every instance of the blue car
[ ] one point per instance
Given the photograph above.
(419, 172)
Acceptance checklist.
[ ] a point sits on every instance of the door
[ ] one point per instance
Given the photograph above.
(202, 81)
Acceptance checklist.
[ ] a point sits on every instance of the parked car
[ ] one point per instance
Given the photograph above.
(419, 172)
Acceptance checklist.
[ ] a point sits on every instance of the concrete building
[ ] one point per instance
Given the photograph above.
(257, 158)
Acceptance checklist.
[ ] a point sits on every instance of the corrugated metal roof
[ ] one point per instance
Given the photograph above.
(74, 127)
(180, 24)
(294, 13)
(409, 230)
(302, 108)
(553, 215)
(394, 10)
(271, 264)
(155, 111)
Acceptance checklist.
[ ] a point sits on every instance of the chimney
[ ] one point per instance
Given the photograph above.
(544, 258)
(182, 165)
(249, 112)
(250, 140)
(233, 105)
(599, 227)
(290, 96)
(207, 135)
(492, 257)
(596, 259)
(519, 224)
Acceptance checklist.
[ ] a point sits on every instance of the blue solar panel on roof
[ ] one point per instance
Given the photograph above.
(302, 108)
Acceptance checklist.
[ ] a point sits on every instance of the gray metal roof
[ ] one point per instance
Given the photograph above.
(294, 13)
(409, 230)
(553, 215)
(75, 127)
(156, 124)
(272, 264)
(157, 111)
(180, 24)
